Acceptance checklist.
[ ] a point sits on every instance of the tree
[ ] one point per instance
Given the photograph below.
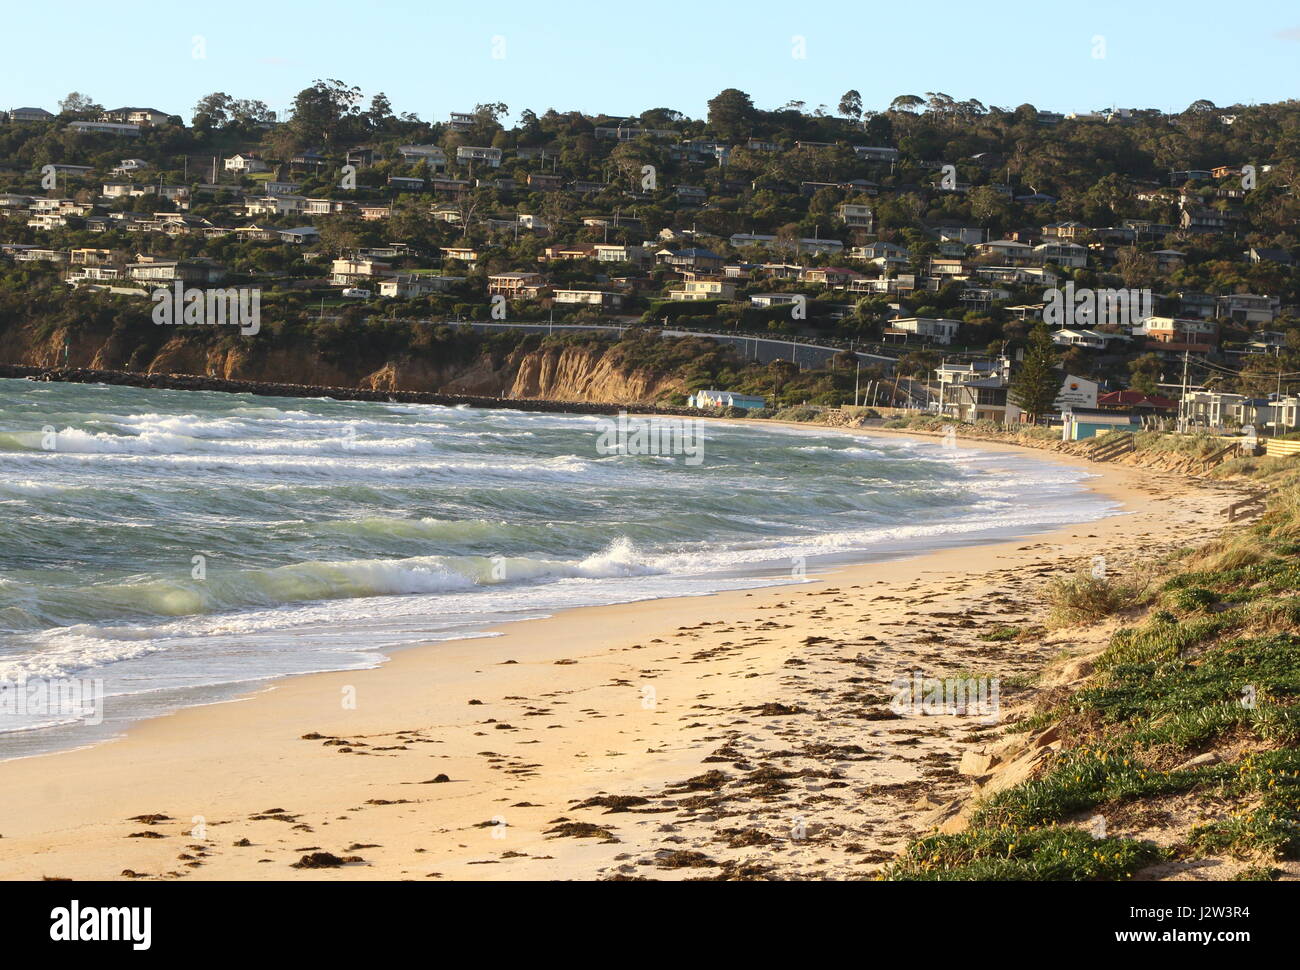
(381, 109)
(989, 206)
(906, 102)
(661, 117)
(731, 114)
(939, 102)
(851, 105)
(1145, 373)
(489, 115)
(212, 111)
(250, 112)
(319, 111)
(78, 103)
(1036, 385)
(879, 129)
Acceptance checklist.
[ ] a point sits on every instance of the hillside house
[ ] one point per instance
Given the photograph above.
(245, 164)
(1248, 308)
(198, 270)
(136, 116)
(704, 289)
(471, 155)
(515, 285)
(30, 115)
(104, 128)
(597, 298)
(931, 329)
(414, 285)
(430, 155)
(352, 270)
(856, 216)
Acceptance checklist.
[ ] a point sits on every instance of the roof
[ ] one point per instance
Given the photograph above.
(1096, 416)
(1133, 399)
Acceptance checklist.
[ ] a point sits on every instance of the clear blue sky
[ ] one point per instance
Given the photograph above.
(629, 55)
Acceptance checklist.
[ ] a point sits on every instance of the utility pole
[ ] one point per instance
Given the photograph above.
(858, 372)
(1183, 403)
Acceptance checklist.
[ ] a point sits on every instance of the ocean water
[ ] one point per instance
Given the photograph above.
(166, 548)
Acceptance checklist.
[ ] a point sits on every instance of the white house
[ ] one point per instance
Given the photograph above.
(348, 271)
(936, 329)
(1071, 337)
(417, 285)
(1248, 307)
(766, 300)
(468, 154)
(248, 164)
(857, 216)
(1007, 251)
(104, 128)
(597, 298)
(431, 155)
(620, 254)
(1067, 255)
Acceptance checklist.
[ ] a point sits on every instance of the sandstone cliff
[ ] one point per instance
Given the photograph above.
(598, 373)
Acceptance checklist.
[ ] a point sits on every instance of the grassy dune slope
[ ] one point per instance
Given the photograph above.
(1176, 752)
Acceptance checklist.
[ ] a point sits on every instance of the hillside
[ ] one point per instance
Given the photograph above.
(914, 211)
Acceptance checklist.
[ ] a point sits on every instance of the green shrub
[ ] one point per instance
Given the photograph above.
(1085, 598)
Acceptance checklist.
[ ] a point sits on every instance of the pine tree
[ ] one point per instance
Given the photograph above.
(1036, 385)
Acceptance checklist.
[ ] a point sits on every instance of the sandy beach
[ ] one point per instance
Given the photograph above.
(741, 734)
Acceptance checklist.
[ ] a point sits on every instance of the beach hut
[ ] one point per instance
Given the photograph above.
(1081, 423)
(725, 399)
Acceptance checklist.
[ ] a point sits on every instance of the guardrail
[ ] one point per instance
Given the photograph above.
(1220, 456)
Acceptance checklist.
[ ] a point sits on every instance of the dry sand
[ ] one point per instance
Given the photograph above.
(745, 733)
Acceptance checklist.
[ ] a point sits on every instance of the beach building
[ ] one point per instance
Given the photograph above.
(725, 399)
(1204, 409)
(980, 399)
(1081, 423)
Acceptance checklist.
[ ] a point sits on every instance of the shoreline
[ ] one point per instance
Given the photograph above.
(762, 575)
(337, 775)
